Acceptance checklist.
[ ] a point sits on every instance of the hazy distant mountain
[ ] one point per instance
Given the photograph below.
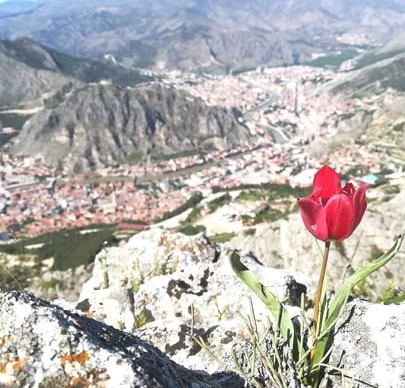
(29, 71)
(375, 78)
(204, 34)
(99, 125)
(394, 47)
(376, 70)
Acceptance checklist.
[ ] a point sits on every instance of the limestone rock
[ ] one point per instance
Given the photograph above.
(169, 288)
(370, 346)
(63, 285)
(43, 345)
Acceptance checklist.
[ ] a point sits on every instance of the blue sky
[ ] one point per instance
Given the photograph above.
(3, 1)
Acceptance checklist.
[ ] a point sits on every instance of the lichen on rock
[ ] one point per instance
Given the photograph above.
(43, 345)
(197, 295)
(370, 345)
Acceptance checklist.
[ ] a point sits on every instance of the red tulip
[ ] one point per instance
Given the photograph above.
(332, 212)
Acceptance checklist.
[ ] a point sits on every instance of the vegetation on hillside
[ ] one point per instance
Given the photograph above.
(69, 248)
(334, 60)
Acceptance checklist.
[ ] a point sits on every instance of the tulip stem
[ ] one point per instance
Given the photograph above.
(320, 288)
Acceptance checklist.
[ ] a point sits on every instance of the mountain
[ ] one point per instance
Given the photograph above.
(204, 35)
(21, 81)
(30, 71)
(375, 78)
(99, 125)
(394, 47)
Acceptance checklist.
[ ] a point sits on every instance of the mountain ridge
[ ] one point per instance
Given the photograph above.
(132, 30)
(100, 125)
(30, 71)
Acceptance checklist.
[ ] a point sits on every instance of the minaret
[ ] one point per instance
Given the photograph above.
(296, 99)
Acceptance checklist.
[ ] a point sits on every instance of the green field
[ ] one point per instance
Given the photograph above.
(222, 238)
(69, 247)
(194, 200)
(334, 60)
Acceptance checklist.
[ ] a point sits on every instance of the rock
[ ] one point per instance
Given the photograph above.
(44, 345)
(99, 125)
(370, 345)
(64, 285)
(287, 244)
(246, 353)
(170, 288)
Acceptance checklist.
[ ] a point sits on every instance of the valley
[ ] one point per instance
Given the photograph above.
(283, 123)
(205, 36)
(159, 160)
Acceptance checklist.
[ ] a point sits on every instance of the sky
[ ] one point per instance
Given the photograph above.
(14, 1)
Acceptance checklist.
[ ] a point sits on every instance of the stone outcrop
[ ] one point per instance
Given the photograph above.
(43, 345)
(188, 289)
(370, 346)
(169, 288)
(367, 349)
(20, 83)
(166, 289)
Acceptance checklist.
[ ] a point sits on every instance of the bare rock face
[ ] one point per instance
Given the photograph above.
(43, 345)
(20, 83)
(370, 346)
(169, 288)
(100, 125)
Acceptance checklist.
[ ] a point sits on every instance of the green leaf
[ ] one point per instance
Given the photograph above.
(397, 299)
(276, 308)
(338, 303)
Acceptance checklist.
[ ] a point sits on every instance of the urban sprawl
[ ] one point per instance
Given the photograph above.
(285, 109)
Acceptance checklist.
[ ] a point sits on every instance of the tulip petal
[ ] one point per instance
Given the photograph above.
(360, 204)
(314, 217)
(339, 216)
(326, 183)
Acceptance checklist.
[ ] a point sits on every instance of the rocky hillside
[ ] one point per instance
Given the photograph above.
(149, 300)
(20, 82)
(30, 71)
(98, 125)
(375, 78)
